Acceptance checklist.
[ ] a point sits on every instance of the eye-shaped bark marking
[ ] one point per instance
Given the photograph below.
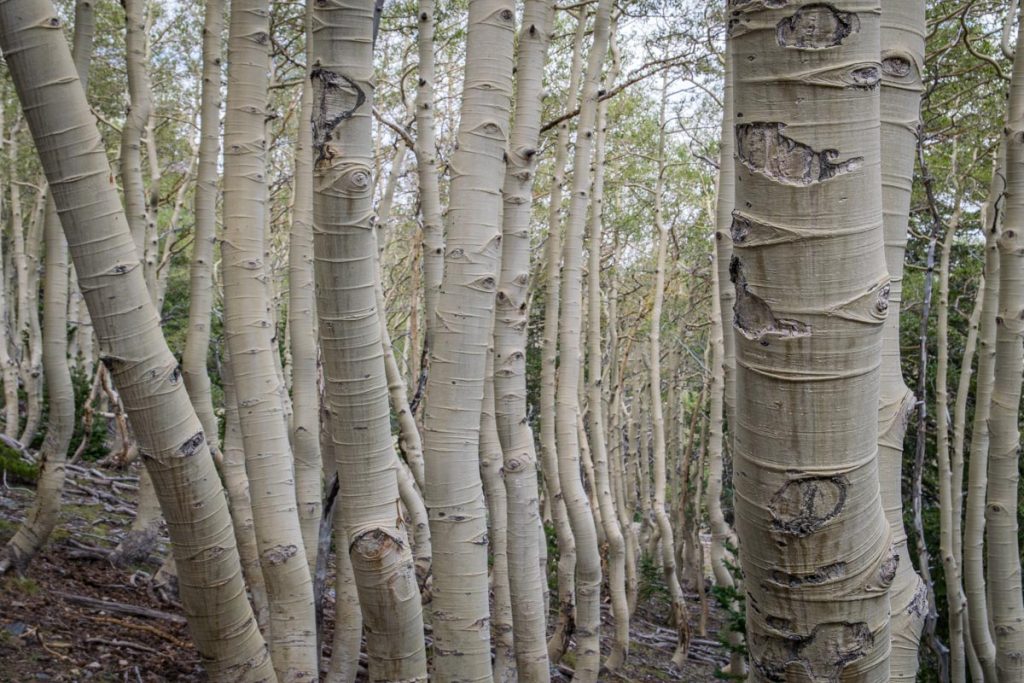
(336, 97)
(816, 27)
(803, 506)
(819, 576)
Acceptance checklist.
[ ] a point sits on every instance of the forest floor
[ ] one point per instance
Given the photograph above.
(55, 625)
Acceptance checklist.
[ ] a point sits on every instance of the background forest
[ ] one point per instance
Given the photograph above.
(651, 326)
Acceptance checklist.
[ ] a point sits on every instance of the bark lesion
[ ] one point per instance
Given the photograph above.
(763, 148)
(753, 317)
(822, 655)
(336, 97)
(805, 505)
(817, 27)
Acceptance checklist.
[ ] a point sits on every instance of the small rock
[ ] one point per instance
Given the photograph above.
(122, 662)
(93, 665)
(16, 628)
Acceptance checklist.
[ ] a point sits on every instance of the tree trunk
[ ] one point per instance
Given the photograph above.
(249, 329)
(664, 526)
(458, 349)
(811, 300)
(565, 623)
(169, 434)
(305, 423)
(42, 517)
(201, 291)
(1003, 557)
(902, 54)
(527, 585)
(345, 255)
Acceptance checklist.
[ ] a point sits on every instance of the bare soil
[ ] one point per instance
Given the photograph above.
(52, 628)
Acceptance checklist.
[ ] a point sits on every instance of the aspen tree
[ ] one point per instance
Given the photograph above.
(663, 525)
(344, 248)
(564, 625)
(951, 569)
(1003, 565)
(42, 517)
(567, 404)
(136, 118)
(31, 333)
(463, 330)
(201, 289)
(78, 313)
(527, 585)
(170, 436)
(811, 299)
(616, 554)
(902, 59)
(248, 328)
(491, 458)
(8, 364)
(427, 168)
(305, 425)
(977, 485)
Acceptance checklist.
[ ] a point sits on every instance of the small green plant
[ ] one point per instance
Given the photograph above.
(15, 468)
(652, 583)
(732, 602)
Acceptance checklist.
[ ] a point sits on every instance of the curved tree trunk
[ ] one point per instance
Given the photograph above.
(527, 585)
(249, 329)
(458, 349)
(902, 54)
(42, 517)
(565, 623)
(811, 301)
(345, 255)
(169, 434)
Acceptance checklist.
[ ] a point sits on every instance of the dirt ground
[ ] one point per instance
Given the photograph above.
(55, 627)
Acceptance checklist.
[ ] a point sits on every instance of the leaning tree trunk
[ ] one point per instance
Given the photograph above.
(169, 434)
(458, 350)
(527, 584)
(1003, 564)
(345, 252)
(42, 517)
(588, 561)
(811, 301)
(249, 329)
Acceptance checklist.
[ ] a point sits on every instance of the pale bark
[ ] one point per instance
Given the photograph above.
(902, 54)
(236, 484)
(249, 330)
(8, 364)
(1003, 566)
(169, 434)
(137, 116)
(31, 333)
(491, 458)
(616, 552)
(427, 170)
(527, 585)
(564, 623)
(42, 516)
(78, 314)
(305, 422)
(977, 485)
(811, 301)
(462, 334)
(348, 617)
(201, 291)
(344, 248)
(664, 526)
(951, 569)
